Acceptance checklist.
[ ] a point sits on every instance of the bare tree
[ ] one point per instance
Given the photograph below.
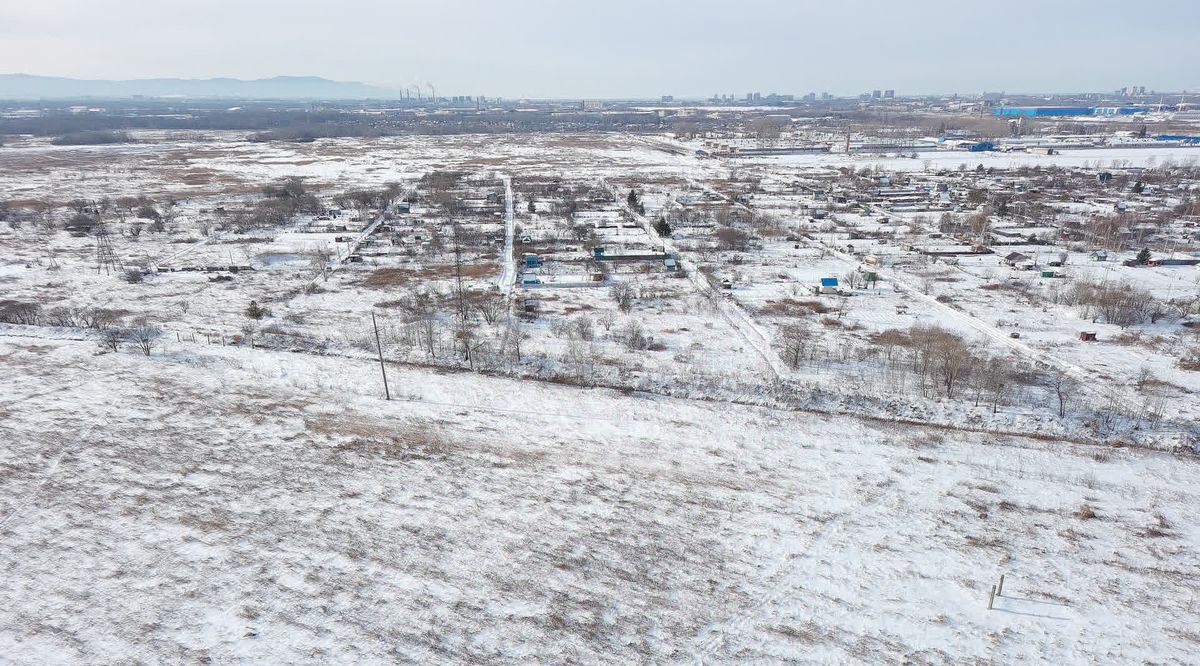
(729, 238)
(516, 336)
(795, 341)
(145, 336)
(422, 313)
(997, 380)
(583, 328)
(954, 359)
(1064, 387)
(580, 357)
(490, 304)
(622, 293)
(607, 319)
(112, 338)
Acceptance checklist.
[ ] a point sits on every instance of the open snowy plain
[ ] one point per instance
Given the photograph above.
(231, 498)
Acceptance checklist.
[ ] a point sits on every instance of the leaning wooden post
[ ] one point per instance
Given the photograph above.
(382, 368)
(992, 598)
(1000, 588)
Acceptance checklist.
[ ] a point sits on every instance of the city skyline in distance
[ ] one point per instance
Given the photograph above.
(524, 49)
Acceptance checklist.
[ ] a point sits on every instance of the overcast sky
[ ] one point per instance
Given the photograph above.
(615, 48)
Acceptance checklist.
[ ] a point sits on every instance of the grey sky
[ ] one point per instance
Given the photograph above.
(620, 47)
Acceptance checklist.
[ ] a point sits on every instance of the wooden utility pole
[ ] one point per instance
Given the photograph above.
(382, 369)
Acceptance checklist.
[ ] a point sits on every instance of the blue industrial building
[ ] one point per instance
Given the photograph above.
(1178, 137)
(1052, 111)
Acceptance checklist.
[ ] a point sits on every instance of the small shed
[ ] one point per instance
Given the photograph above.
(1087, 336)
(1014, 258)
(670, 263)
(598, 252)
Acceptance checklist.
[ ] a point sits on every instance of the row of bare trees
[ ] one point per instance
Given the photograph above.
(940, 363)
(1121, 304)
(112, 328)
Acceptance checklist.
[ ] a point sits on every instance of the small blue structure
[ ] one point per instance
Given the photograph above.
(598, 252)
(531, 261)
(981, 147)
(829, 282)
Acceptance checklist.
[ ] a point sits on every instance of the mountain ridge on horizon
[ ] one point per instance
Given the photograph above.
(19, 86)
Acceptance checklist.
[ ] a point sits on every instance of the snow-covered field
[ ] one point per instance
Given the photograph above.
(241, 506)
(592, 481)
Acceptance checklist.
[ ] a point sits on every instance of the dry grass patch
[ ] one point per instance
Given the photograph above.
(1161, 527)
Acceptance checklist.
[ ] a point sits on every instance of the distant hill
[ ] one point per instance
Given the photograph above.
(25, 86)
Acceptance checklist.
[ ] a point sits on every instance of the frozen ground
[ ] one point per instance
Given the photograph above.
(197, 164)
(231, 504)
(237, 505)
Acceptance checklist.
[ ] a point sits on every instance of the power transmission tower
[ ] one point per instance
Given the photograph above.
(106, 256)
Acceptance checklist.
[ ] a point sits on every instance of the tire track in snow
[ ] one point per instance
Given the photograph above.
(81, 441)
(786, 577)
(508, 272)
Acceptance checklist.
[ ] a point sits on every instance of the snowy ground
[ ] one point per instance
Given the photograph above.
(233, 504)
(240, 505)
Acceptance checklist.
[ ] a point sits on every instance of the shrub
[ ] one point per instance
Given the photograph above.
(16, 312)
(634, 337)
(112, 338)
(256, 311)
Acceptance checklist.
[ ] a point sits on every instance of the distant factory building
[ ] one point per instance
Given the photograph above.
(1053, 111)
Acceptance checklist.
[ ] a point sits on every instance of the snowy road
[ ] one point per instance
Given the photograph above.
(508, 269)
